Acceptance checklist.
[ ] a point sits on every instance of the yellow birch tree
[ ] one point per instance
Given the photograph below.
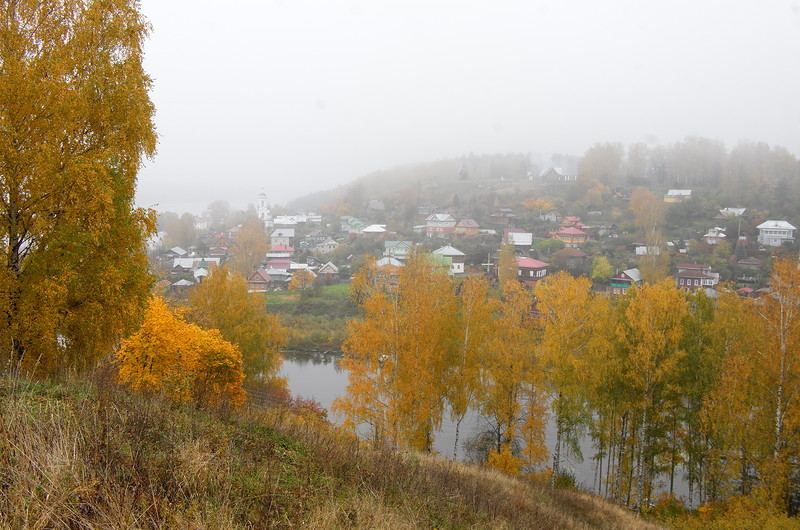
(398, 354)
(765, 373)
(473, 328)
(222, 302)
(511, 385)
(569, 338)
(77, 124)
(650, 334)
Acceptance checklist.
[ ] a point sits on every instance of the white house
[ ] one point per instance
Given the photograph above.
(282, 236)
(714, 235)
(286, 220)
(327, 246)
(374, 230)
(775, 233)
(522, 240)
(439, 224)
(677, 195)
(732, 212)
(455, 255)
(644, 250)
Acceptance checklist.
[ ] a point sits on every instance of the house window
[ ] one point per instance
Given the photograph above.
(519, 272)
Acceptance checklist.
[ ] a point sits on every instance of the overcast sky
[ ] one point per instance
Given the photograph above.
(300, 95)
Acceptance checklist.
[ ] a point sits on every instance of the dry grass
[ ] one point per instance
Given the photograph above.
(79, 455)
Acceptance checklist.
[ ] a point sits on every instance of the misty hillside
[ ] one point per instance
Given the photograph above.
(421, 179)
(751, 174)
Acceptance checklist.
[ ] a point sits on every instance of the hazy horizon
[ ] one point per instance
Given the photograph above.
(302, 96)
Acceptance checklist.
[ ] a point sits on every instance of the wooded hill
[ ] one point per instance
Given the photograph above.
(751, 174)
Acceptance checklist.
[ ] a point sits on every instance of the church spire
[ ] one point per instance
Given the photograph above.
(263, 209)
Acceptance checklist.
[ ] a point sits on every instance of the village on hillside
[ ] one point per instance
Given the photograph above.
(733, 245)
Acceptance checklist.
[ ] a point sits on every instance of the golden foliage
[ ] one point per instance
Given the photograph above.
(249, 248)
(753, 411)
(507, 264)
(570, 343)
(181, 360)
(504, 461)
(510, 376)
(474, 323)
(77, 123)
(222, 302)
(397, 356)
(301, 280)
(539, 205)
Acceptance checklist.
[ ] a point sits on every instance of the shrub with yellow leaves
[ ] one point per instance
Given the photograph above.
(182, 360)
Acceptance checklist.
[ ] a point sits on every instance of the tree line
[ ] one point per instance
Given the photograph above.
(666, 384)
(751, 174)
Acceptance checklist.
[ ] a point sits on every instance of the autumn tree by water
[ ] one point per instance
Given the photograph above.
(398, 355)
(512, 394)
(474, 327)
(649, 335)
(222, 302)
(77, 123)
(569, 340)
(754, 410)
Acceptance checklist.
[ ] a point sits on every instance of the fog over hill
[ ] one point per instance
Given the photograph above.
(303, 96)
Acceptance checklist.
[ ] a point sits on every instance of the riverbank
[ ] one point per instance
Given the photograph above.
(315, 319)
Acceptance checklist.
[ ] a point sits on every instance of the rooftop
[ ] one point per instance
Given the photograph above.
(776, 225)
(530, 263)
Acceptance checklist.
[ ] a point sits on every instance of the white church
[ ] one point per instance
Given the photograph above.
(262, 207)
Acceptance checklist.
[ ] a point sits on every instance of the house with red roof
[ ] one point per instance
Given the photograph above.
(258, 282)
(530, 271)
(280, 257)
(693, 276)
(571, 236)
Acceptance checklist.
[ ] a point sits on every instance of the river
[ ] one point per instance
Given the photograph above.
(318, 376)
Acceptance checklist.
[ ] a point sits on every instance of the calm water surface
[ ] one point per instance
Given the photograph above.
(319, 376)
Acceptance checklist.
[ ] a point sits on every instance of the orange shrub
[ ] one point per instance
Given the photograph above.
(182, 360)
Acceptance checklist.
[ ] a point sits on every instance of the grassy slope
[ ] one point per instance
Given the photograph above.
(86, 455)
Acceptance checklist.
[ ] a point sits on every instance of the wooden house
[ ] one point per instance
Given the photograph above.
(621, 282)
